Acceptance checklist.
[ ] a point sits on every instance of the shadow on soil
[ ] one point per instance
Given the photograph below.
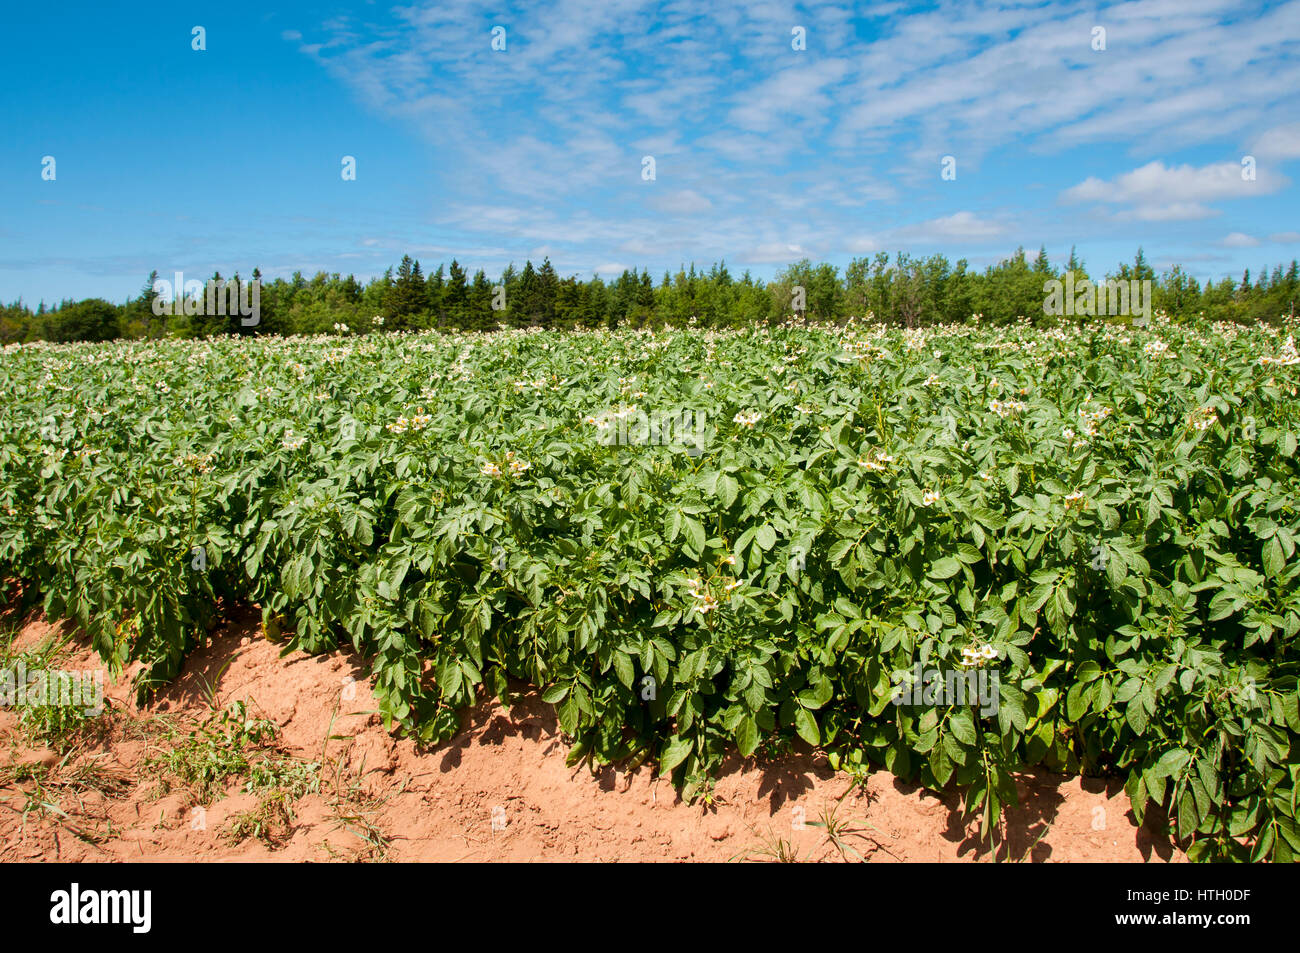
(784, 780)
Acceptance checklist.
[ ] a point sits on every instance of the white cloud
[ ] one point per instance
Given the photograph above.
(681, 201)
(786, 98)
(1159, 193)
(1156, 182)
(1282, 142)
(775, 252)
(1239, 240)
(1172, 212)
(767, 149)
(960, 225)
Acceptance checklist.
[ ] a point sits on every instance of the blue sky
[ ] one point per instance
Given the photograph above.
(181, 160)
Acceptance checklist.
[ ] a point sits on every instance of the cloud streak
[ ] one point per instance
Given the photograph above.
(776, 151)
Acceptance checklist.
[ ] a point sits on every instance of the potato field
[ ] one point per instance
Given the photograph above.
(701, 542)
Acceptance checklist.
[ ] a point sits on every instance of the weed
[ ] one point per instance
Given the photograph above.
(214, 752)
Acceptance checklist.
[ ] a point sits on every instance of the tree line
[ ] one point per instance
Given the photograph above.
(902, 289)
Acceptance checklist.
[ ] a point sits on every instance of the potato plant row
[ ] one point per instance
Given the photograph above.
(699, 543)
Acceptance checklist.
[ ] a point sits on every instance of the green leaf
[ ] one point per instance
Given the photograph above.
(1076, 703)
(818, 695)
(1291, 711)
(747, 736)
(727, 490)
(1137, 715)
(695, 537)
(569, 713)
(1274, 558)
(623, 668)
(945, 568)
(962, 726)
(1187, 816)
(1172, 762)
(555, 693)
(1011, 701)
(806, 725)
(674, 753)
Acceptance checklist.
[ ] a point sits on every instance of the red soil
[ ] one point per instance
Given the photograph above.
(440, 804)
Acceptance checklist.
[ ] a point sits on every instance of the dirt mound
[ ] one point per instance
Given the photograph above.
(499, 790)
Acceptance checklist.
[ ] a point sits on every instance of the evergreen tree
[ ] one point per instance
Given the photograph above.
(407, 300)
(526, 306)
(435, 296)
(456, 296)
(1043, 266)
(548, 285)
(480, 317)
(1141, 270)
(1074, 264)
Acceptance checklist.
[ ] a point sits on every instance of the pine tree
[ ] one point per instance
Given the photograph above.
(435, 295)
(456, 296)
(1042, 266)
(143, 305)
(525, 307)
(407, 300)
(480, 317)
(548, 285)
(1141, 270)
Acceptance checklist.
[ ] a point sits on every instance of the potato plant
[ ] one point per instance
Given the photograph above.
(1109, 512)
